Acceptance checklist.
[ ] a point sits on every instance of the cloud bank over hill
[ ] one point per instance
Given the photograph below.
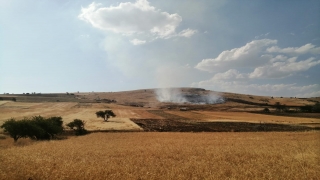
(264, 60)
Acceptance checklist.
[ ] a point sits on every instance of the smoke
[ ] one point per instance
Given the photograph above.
(170, 95)
(173, 75)
(175, 95)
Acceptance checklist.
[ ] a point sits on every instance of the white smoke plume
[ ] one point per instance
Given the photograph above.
(172, 75)
(170, 95)
(175, 95)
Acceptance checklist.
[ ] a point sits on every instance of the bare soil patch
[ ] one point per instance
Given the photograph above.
(174, 125)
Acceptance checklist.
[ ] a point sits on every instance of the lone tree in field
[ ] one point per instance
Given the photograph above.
(105, 114)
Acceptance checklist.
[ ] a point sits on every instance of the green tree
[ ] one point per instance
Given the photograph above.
(37, 128)
(78, 126)
(105, 114)
(51, 126)
(21, 129)
(14, 128)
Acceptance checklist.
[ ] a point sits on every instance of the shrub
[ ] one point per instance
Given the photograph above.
(78, 126)
(316, 107)
(280, 107)
(266, 110)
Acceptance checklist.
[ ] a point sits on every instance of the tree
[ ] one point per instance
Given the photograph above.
(14, 128)
(36, 127)
(105, 114)
(316, 107)
(310, 108)
(266, 110)
(78, 126)
(280, 107)
(21, 129)
(306, 108)
(51, 126)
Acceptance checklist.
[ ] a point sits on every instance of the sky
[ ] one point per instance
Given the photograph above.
(261, 47)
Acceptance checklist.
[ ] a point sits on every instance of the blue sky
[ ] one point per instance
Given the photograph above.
(252, 47)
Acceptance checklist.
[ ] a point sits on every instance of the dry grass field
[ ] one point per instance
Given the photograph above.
(73, 110)
(165, 155)
(274, 155)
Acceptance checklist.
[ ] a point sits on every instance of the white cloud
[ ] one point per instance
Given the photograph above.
(256, 55)
(137, 42)
(308, 48)
(187, 32)
(261, 89)
(245, 56)
(283, 68)
(230, 74)
(138, 18)
(262, 35)
(260, 59)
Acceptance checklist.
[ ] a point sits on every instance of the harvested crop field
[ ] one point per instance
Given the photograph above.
(272, 155)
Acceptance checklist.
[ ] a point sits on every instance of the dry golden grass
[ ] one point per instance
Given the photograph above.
(72, 110)
(293, 155)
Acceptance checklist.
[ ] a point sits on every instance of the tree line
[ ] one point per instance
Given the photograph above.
(40, 128)
(306, 109)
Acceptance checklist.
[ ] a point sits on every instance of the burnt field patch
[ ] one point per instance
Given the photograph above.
(174, 125)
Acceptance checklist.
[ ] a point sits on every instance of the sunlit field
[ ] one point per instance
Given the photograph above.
(273, 155)
(131, 153)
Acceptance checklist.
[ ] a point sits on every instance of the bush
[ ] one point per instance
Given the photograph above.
(309, 108)
(316, 107)
(306, 108)
(280, 107)
(266, 110)
(78, 126)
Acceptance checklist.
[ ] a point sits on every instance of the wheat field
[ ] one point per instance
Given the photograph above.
(274, 155)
